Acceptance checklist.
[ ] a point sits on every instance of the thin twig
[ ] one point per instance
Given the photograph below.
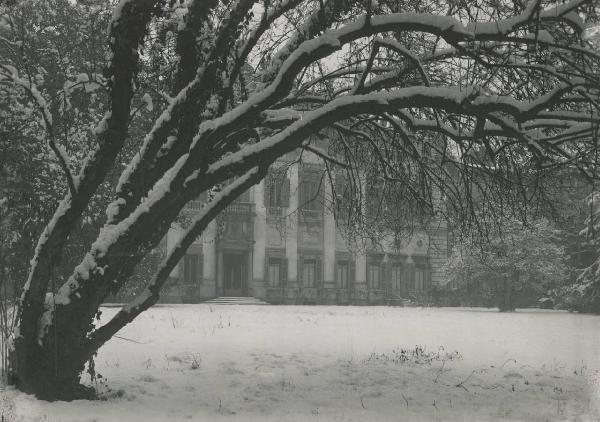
(461, 384)
(131, 340)
(405, 399)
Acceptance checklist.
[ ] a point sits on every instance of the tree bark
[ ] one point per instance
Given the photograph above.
(50, 371)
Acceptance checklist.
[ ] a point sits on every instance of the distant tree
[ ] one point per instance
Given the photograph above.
(521, 261)
(504, 85)
(584, 294)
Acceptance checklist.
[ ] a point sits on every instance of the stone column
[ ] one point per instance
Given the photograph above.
(361, 269)
(291, 235)
(328, 239)
(260, 243)
(173, 236)
(360, 286)
(219, 279)
(438, 253)
(437, 233)
(208, 288)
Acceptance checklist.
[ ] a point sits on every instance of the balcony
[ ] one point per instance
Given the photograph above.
(236, 208)
(194, 205)
(310, 215)
(275, 211)
(240, 208)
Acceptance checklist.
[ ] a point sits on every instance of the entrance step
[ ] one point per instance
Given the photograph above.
(232, 300)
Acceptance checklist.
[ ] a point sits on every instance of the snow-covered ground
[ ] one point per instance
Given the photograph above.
(286, 363)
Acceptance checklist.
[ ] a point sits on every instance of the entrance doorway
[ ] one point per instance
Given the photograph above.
(235, 274)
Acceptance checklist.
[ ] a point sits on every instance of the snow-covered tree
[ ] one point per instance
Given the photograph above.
(523, 262)
(239, 84)
(584, 294)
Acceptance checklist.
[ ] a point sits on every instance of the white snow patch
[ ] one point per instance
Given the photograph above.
(63, 154)
(147, 99)
(82, 77)
(102, 126)
(138, 301)
(46, 318)
(294, 363)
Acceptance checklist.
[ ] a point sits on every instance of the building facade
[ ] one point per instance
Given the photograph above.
(278, 242)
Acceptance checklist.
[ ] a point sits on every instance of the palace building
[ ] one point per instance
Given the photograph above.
(278, 243)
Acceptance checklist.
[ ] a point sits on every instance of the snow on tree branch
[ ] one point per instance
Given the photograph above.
(11, 74)
(127, 30)
(466, 100)
(150, 294)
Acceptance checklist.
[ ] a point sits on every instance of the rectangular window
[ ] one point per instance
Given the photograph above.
(274, 193)
(374, 276)
(342, 274)
(375, 201)
(244, 197)
(309, 195)
(274, 272)
(343, 197)
(419, 278)
(190, 268)
(397, 277)
(308, 272)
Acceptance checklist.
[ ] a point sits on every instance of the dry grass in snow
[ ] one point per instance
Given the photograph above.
(285, 363)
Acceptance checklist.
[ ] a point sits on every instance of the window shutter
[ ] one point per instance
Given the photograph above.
(285, 192)
(336, 276)
(369, 281)
(401, 281)
(406, 279)
(267, 281)
(352, 275)
(193, 269)
(300, 262)
(200, 268)
(318, 272)
(320, 196)
(428, 271)
(340, 196)
(267, 190)
(339, 184)
(304, 195)
(186, 268)
(387, 276)
(283, 272)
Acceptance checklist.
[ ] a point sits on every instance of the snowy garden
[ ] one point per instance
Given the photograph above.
(421, 153)
(293, 363)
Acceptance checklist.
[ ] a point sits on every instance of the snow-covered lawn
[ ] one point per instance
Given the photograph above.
(287, 363)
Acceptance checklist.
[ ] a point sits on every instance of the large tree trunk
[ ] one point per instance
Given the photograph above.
(49, 363)
(51, 370)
